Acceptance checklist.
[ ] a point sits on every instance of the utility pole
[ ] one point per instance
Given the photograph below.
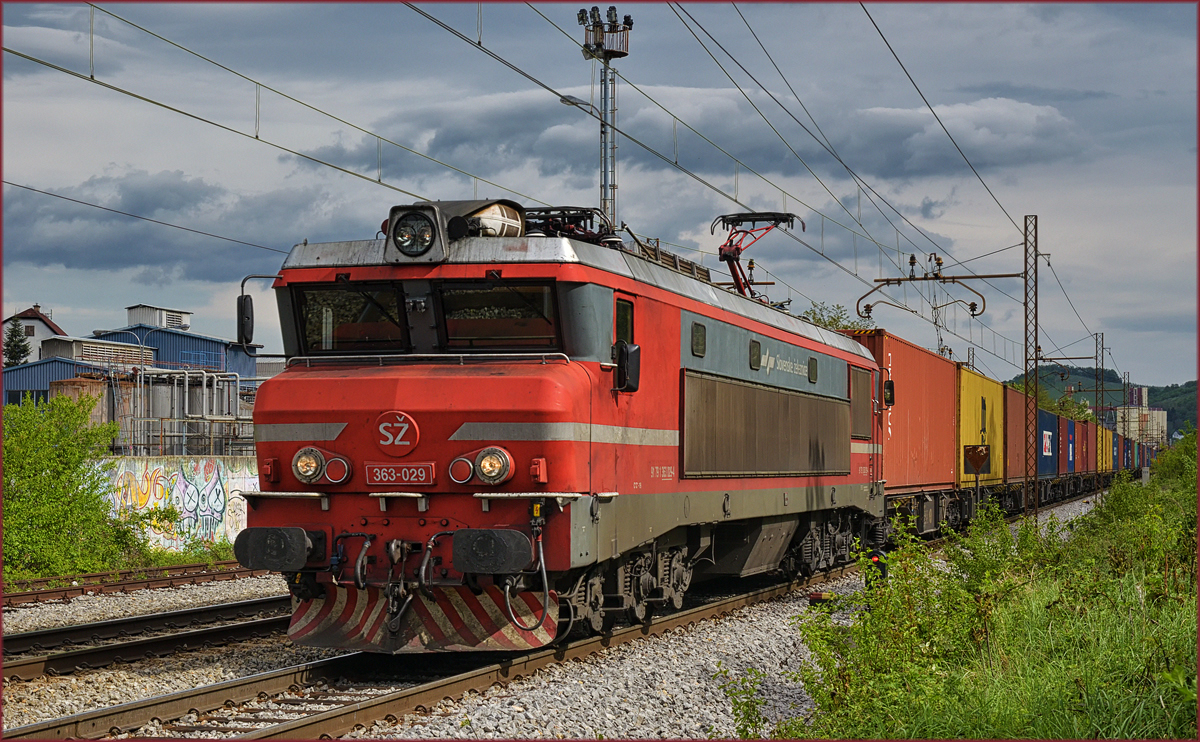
(605, 42)
(1032, 352)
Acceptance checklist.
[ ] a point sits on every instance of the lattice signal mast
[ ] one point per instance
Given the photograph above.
(605, 42)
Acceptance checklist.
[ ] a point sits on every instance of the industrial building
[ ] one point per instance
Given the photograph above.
(174, 392)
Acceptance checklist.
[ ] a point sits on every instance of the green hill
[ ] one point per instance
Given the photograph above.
(1179, 400)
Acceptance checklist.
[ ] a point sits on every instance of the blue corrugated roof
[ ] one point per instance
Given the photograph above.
(179, 348)
(37, 375)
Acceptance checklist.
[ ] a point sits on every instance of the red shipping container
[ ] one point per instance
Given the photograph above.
(1093, 447)
(1085, 441)
(1014, 435)
(919, 435)
(1064, 445)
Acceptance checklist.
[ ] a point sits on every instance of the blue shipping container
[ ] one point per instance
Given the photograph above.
(1048, 436)
(1071, 446)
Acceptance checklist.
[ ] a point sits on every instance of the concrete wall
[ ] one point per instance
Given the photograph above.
(197, 486)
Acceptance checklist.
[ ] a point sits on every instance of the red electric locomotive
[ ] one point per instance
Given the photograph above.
(497, 423)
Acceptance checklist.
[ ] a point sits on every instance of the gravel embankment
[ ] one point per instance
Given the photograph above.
(54, 697)
(93, 608)
(657, 687)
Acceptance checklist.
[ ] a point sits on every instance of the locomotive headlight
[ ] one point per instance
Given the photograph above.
(308, 464)
(413, 234)
(493, 465)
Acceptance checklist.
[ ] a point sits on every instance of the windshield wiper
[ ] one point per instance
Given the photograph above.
(382, 309)
(495, 276)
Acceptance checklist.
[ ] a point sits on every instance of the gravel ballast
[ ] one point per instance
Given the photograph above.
(103, 607)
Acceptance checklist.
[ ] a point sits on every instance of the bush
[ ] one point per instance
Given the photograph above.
(1024, 635)
(58, 517)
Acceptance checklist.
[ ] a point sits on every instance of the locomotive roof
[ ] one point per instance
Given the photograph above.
(564, 250)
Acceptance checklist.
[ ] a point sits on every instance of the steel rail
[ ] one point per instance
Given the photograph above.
(126, 581)
(63, 663)
(122, 628)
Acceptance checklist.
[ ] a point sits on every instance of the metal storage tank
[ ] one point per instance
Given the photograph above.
(980, 422)
(919, 429)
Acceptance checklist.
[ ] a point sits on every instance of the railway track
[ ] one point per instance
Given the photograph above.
(26, 656)
(71, 586)
(331, 697)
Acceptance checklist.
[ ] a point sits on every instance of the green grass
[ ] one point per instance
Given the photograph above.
(1079, 631)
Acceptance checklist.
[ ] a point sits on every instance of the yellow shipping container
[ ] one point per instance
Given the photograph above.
(1104, 452)
(980, 423)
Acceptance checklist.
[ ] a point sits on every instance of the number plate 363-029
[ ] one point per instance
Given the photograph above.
(416, 474)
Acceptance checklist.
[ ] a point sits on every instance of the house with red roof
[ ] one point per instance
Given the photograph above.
(38, 327)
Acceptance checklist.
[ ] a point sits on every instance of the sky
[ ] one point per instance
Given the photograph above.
(271, 124)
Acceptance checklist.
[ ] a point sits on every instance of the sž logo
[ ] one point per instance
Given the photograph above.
(397, 433)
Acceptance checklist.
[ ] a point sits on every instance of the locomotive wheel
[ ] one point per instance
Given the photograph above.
(681, 579)
(608, 622)
(595, 604)
(639, 613)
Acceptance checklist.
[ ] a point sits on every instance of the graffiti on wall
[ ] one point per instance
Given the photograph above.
(198, 488)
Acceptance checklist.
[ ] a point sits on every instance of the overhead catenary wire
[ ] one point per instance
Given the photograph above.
(829, 148)
(669, 160)
(144, 218)
(321, 162)
(315, 109)
(833, 153)
(737, 161)
(1064, 290)
(759, 111)
(210, 122)
(939, 118)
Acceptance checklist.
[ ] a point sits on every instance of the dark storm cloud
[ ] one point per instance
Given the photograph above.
(993, 132)
(44, 231)
(485, 136)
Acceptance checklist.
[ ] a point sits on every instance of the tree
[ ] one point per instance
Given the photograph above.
(1064, 406)
(835, 317)
(16, 346)
(58, 518)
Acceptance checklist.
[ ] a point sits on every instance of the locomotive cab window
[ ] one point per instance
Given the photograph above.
(499, 315)
(352, 318)
(860, 403)
(623, 321)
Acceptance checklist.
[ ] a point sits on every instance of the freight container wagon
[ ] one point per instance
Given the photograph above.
(1085, 455)
(981, 423)
(1064, 447)
(1014, 435)
(918, 436)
